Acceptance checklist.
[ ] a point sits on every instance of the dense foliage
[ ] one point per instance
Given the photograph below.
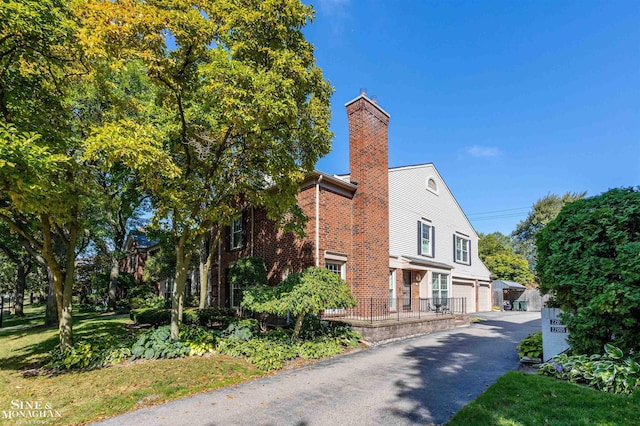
(589, 260)
(531, 346)
(542, 212)
(307, 292)
(612, 372)
(497, 253)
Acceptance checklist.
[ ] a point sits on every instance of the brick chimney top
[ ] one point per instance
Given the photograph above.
(363, 95)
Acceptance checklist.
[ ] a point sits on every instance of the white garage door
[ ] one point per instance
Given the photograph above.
(484, 298)
(465, 290)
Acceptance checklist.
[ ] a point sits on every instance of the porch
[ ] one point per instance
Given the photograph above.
(379, 320)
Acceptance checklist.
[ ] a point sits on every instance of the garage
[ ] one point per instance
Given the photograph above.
(484, 297)
(466, 290)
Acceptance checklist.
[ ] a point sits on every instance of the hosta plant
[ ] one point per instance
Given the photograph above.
(612, 372)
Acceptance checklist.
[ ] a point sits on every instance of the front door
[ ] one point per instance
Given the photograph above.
(406, 290)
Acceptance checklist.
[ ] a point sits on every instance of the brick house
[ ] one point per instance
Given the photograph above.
(348, 231)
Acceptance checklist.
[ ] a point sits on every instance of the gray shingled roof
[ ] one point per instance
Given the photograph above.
(508, 285)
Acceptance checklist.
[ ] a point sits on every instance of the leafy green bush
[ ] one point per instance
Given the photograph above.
(199, 339)
(611, 372)
(588, 260)
(216, 317)
(151, 316)
(321, 348)
(157, 343)
(265, 354)
(313, 327)
(91, 353)
(241, 329)
(345, 335)
(531, 346)
(300, 294)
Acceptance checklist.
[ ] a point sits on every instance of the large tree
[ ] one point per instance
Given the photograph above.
(589, 261)
(240, 106)
(497, 253)
(543, 211)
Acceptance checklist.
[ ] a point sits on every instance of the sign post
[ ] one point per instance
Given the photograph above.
(554, 333)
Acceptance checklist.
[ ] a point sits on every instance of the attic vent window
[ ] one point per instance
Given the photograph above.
(432, 185)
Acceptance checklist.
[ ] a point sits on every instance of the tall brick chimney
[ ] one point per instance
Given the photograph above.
(369, 163)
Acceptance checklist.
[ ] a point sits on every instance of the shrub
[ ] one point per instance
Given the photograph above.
(157, 343)
(313, 327)
(611, 372)
(91, 353)
(531, 346)
(241, 329)
(199, 339)
(216, 317)
(300, 294)
(345, 335)
(320, 348)
(152, 316)
(588, 260)
(265, 354)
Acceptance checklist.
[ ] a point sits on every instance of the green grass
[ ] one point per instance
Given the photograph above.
(25, 343)
(520, 399)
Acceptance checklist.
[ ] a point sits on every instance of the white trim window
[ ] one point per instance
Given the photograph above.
(461, 250)
(337, 268)
(439, 288)
(235, 237)
(426, 238)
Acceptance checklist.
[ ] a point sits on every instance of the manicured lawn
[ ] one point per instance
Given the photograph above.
(520, 399)
(90, 395)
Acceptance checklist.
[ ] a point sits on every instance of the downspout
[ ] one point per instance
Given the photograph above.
(318, 220)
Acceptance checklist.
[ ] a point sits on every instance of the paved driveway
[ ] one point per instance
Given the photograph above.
(418, 381)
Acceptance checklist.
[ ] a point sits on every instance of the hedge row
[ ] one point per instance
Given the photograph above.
(207, 317)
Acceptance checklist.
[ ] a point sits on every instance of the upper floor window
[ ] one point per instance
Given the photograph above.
(426, 238)
(461, 249)
(235, 235)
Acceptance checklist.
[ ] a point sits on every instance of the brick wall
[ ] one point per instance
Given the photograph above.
(368, 152)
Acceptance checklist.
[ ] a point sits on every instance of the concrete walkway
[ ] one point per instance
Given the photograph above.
(418, 381)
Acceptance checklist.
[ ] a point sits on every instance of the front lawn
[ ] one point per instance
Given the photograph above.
(520, 399)
(84, 396)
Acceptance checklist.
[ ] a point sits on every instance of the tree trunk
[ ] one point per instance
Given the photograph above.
(51, 312)
(206, 260)
(183, 258)
(298, 326)
(21, 284)
(113, 281)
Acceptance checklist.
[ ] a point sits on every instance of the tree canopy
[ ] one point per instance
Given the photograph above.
(589, 260)
(497, 253)
(203, 106)
(239, 106)
(543, 211)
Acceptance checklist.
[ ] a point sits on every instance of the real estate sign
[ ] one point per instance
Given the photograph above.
(554, 333)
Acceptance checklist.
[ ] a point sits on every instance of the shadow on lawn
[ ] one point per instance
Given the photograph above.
(37, 344)
(446, 377)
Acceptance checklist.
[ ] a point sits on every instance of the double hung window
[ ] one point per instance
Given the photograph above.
(461, 248)
(426, 238)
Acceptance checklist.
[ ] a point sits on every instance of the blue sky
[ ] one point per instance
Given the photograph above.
(511, 100)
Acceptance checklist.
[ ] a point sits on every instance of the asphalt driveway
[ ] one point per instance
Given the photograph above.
(418, 381)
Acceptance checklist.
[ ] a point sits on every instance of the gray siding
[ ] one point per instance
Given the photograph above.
(411, 201)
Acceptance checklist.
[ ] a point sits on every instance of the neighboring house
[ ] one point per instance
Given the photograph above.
(139, 248)
(395, 235)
